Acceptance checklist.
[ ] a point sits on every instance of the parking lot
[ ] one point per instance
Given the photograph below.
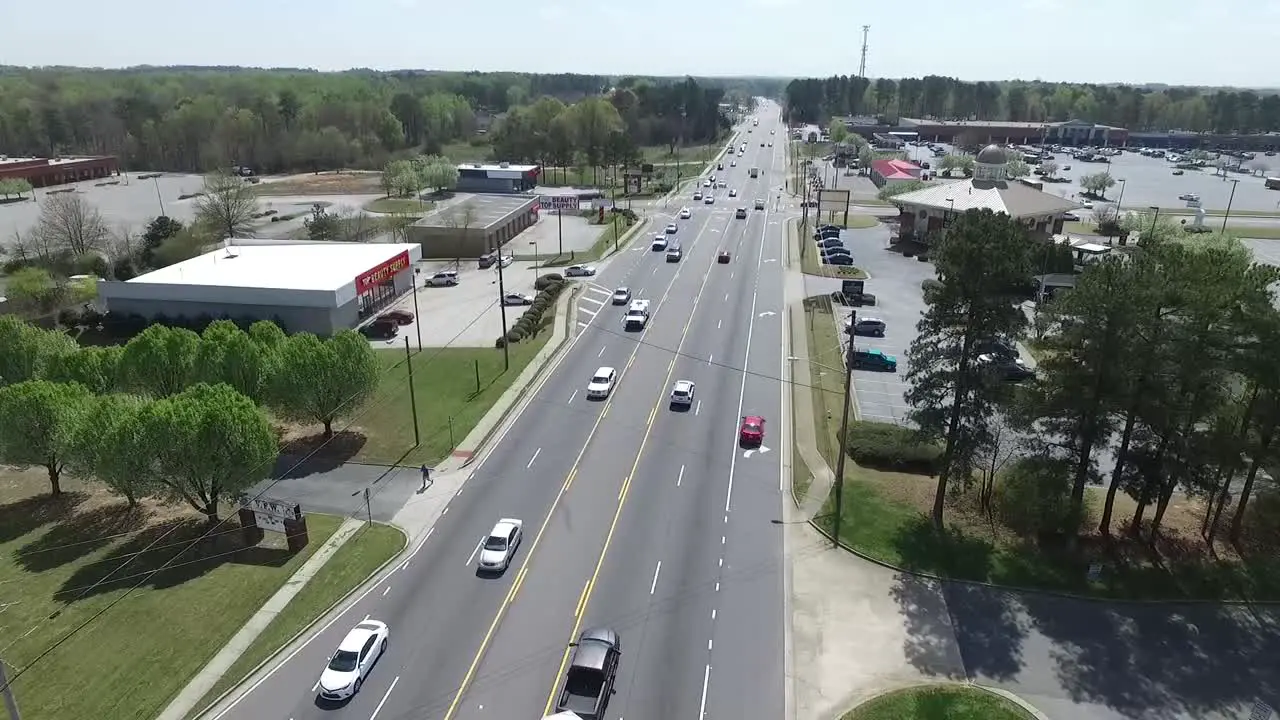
(895, 281)
(551, 235)
(467, 314)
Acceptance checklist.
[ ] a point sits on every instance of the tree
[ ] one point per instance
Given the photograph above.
(399, 178)
(322, 225)
(232, 356)
(160, 228)
(983, 263)
(71, 224)
(16, 186)
(107, 442)
(890, 191)
(866, 156)
(321, 380)
(27, 351)
(1017, 168)
(236, 446)
(839, 132)
(956, 161)
(1097, 184)
(96, 368)
(160, 361)
(1049, 168)
(33, 291)
(227, 206)
(440, 174)
(37, 415)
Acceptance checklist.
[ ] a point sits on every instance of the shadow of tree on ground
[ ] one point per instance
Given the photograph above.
(26, 515)
(81, 534)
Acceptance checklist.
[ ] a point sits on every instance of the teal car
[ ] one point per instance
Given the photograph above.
(874, 360)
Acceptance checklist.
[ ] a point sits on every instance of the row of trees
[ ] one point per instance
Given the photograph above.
(1164, 352)
(201, 119)
(14, 188)
(172, 412)
(814, 100)
(402, 178)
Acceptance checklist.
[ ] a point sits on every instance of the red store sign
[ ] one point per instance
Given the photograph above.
(382, 273)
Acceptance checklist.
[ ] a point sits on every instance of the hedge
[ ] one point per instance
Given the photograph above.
(886, 446)
(549, 287)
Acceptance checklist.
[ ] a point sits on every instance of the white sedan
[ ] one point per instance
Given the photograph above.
(498, 549)
(579, 271)
(733, 193)
(517, 299)
(709, 200)
(672, 229)
(355, 657)
(622, 296)
(602, 383)
(685, 214)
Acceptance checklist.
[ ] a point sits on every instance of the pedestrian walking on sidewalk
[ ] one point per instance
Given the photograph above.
(426, 476)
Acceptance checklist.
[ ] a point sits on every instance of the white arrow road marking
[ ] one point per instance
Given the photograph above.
(772, 260)
(748, 453)
(767, 313)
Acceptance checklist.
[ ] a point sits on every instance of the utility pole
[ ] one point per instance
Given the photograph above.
(1227, 214)
(559, 230)
(10, 702)
(844, 440)
(862, 66)
(502, 305)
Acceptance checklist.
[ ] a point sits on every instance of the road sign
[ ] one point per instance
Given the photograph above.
(270, 514)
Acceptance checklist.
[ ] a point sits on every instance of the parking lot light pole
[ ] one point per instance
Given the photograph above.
(417, 318)
(502, 306)
(1234, 184)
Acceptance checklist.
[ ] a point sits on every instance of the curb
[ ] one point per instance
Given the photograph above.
(567, 299)
(998, 692)
(373, 576)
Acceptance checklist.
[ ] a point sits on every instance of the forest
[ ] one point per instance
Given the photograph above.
(202, 119)
(814, 100)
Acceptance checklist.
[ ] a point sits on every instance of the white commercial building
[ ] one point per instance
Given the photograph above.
(320, 288)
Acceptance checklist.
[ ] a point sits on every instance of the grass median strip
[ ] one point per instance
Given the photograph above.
(359, 557)
(391, 205)
(63, 560)
(938, 702)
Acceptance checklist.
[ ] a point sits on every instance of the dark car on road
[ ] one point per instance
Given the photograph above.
(588, 684)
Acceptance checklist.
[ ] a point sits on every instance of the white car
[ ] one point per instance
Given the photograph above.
(448, 278)
(517, 299)
(733, 193)
(682, 393)
(706, 183)
(709, 200)
(659, 243)
(1188, 196)
(500, 546)
(685, 214)
(697, 196)
(355, 657)
(672, 229)
(579, 271)
(622, 296)
(733, 163)
(602, 383)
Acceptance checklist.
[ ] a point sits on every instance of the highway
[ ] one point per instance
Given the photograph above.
(638, 517)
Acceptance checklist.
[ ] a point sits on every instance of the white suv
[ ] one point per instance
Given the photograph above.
(448, 278)
(602, 383)
(682, 393)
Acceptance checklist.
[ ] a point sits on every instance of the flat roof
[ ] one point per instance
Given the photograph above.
(52, 161)
(496, 166)
(486, 211)
(310, 266)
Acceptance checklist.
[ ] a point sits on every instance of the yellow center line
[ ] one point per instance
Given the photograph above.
(546, 522)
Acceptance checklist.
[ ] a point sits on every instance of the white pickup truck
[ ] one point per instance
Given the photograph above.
(637, 316)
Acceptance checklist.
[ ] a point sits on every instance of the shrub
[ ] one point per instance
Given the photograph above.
(515, 335)
(70, 317)
(887, 446)
(1033, 495)
(547, 280)
(501, 342)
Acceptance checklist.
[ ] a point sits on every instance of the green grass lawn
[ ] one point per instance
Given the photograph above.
(938, 702)
(452, 396)
(358, 558)
(604, 243)
(1245, 231)
(477, 150)
(697, 154)
(390, 205)
(884, 515)
(133, 659)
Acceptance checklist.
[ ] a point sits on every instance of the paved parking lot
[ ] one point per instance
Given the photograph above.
(895, 280)
(550, 235)
(468, 314)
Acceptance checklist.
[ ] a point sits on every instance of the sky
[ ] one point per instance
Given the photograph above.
(1219, 43)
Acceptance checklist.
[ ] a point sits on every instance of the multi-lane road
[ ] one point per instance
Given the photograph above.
(637, 517)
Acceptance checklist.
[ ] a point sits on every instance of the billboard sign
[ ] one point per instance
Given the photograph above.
(834, 200)
(271, 514)
(382, 273)
(561, 202)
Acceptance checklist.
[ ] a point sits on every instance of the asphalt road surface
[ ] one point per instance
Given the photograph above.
(638, 517)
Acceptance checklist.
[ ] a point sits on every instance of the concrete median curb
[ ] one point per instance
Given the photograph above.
(371, 578)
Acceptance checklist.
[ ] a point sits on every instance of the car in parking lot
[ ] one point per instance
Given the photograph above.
(829, 242)
(997, 347)
(846, 260)
(682, 393)
(579, 271)
(672, 229)
(500, 546)
(381, 329)
(874, 360)
(733, 193)
(355, 657)
(751, 430)
(446, 278)
(622, 296)
(709, 200)
(685, 214)
(517, 299)
(602, 383)
(697, 196)
(873, 327)
(1009, 369)
(399, 317)
(659, 243)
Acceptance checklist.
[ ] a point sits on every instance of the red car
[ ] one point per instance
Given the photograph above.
(399, 317)
(751, 432)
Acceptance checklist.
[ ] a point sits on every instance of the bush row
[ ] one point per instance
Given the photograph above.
(549, 287)
(128, 325)
(885, 446)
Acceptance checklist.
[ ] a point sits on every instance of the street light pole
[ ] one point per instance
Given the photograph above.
(1234, 183)
(560, 228)
(502, 305)
(844, 442)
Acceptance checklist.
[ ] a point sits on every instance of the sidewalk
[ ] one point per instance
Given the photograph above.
(212, 672)
(416, 518)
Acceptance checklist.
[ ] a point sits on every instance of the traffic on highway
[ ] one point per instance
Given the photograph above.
(615, 551)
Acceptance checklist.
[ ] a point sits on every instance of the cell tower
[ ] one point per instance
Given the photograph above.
(862, 66)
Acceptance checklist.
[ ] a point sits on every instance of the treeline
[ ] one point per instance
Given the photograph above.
(814, 100)
(1163, 352)
(201, 119)
(172, 414)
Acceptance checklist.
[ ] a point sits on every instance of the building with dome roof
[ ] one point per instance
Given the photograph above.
(929, 211)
